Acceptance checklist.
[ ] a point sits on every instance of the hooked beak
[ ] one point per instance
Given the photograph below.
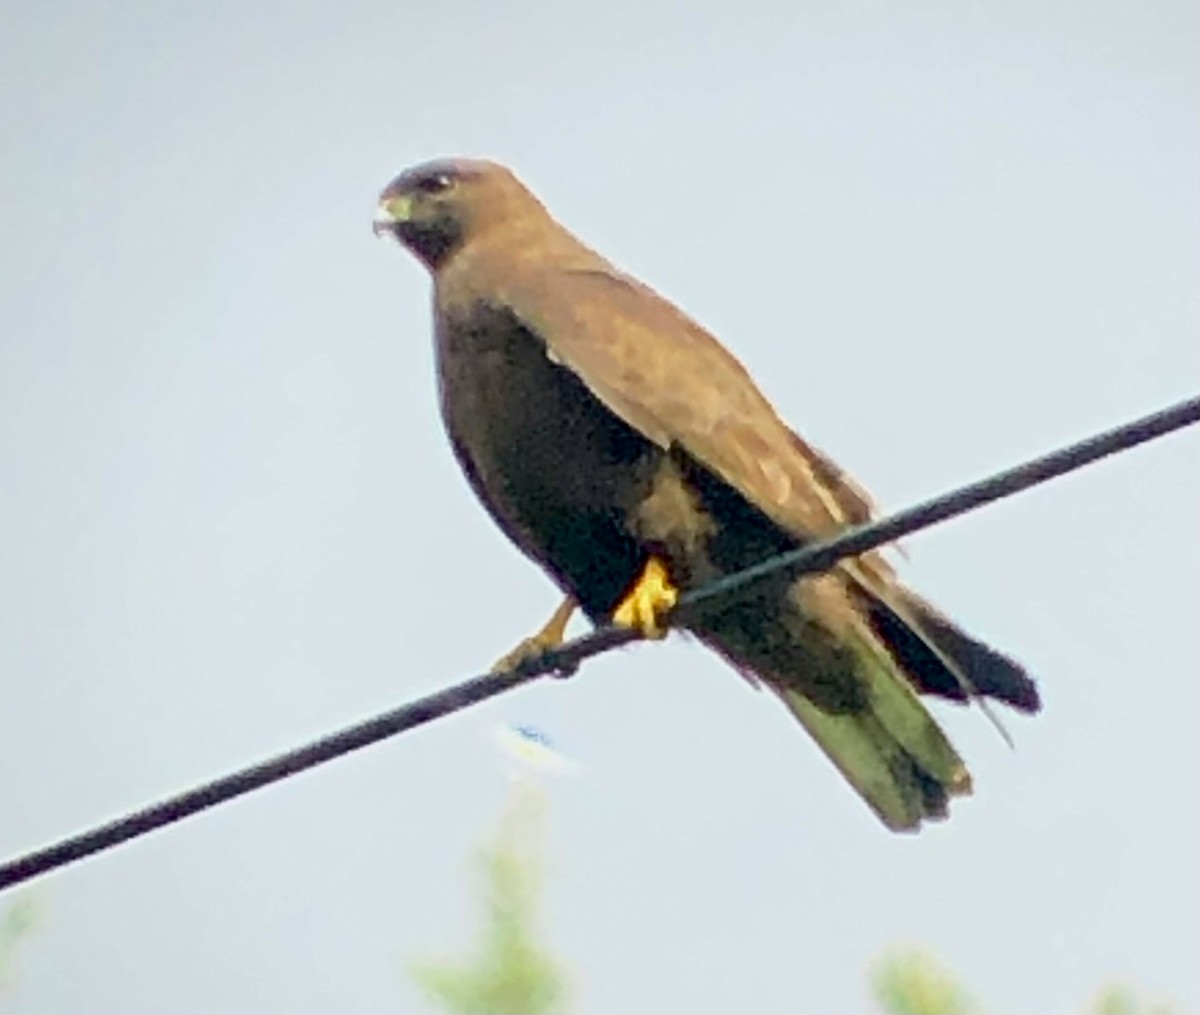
(392, 212)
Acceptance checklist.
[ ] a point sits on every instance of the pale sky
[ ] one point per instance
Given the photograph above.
(944, 236)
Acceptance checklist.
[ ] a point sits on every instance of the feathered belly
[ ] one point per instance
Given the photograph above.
(557, 470)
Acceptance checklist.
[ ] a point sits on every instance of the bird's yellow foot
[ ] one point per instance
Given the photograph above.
(549, 637)
(651, 598)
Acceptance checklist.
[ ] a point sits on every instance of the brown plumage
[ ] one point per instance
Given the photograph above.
(608, 434)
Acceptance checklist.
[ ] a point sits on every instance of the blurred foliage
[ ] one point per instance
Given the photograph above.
(912, 982)
(1121, 999)
(508, 970)
(16, 924)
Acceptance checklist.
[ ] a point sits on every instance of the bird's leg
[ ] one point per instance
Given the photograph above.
(549, 637)
(651, 597)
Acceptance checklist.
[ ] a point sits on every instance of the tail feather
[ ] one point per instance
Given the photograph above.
(852, 696)
(924, 639)
(892, 751)
(896, 788)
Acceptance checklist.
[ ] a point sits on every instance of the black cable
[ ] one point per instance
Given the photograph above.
(811, 559)
(823, 556)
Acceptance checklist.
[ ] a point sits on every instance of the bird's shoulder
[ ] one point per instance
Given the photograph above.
(658, 369)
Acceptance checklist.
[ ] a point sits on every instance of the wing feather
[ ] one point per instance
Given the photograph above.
(669, 378)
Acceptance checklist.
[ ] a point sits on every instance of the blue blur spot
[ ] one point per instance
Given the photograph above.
(533, 734)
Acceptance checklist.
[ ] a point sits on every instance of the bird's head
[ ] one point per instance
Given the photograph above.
(436, 207)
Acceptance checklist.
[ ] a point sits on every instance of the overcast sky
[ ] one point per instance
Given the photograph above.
(944, 236)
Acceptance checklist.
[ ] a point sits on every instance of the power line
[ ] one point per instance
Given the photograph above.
(811, 559)
(823, 556)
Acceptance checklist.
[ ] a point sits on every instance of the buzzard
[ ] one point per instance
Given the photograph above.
(620, 446)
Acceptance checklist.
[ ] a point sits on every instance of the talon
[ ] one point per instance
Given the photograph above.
(650, 599)
(534, 647)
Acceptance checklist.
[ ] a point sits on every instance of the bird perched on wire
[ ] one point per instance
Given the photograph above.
(626, 451)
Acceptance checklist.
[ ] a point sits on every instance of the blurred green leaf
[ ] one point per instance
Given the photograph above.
(912, 982)
(1122, 999)
(508, 970)
(16, 924)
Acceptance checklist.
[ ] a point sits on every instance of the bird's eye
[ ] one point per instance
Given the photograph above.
(435, 184)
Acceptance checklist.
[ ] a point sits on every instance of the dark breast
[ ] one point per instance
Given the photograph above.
(556, 469)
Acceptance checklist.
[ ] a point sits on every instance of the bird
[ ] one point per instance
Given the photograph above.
(626, 451)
